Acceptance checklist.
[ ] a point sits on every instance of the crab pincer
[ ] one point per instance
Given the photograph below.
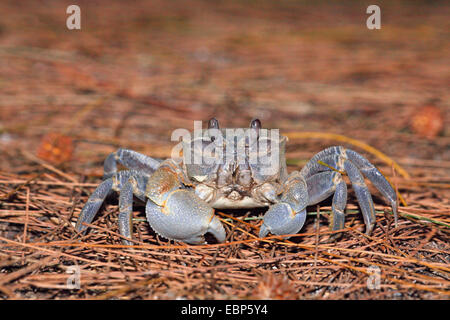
(289, 214)
(185, 217)
(176, 212)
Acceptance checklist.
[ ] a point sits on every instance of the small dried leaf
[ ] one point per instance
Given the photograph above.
(55, 148)
(427, 122)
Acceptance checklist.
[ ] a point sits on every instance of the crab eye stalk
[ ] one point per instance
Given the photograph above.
(255, 124)
(213, 124)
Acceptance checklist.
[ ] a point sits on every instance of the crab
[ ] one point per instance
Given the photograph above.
(180, 196)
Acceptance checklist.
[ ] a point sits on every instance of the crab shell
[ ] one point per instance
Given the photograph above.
(236, 167)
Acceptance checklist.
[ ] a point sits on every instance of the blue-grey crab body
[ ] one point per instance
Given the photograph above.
(231, 169)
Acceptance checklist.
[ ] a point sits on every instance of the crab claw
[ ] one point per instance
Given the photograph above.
(282, 219)
(185, 217)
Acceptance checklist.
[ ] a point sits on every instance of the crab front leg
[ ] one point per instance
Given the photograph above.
(288, 215)
(175, 212)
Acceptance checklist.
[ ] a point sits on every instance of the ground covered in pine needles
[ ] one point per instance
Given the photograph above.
(135, 73)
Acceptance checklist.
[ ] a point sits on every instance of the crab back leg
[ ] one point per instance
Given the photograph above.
(96, 199)
(357, 180)
(322, 185)
(175, 212)
(135, 185)
(130, 159)
(353, 163)
(375, 176)
(93, 204)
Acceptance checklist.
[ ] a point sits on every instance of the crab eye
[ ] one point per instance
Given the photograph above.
(213, 124)
(255, 124)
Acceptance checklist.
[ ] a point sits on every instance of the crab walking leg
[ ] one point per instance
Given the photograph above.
(288, 215)
(125, 212)
(337, 156)
(134, 186)
(176, 212)
(331, 156)
(375, 176)
(130, 159)
(338, 206)
(93, 204)
(362, 192)
(321, 186)
(96, 199)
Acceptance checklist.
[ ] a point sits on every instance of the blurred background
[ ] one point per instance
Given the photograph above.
(137, 70)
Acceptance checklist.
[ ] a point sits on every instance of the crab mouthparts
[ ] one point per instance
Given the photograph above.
(234, 195)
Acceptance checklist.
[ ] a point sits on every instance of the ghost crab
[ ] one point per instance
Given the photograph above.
(181, 196)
